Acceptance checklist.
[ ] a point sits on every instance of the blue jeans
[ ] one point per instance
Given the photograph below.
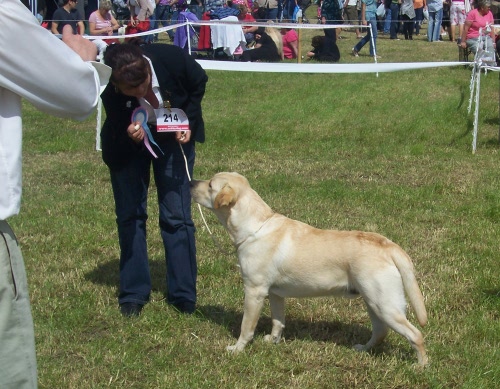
(367, 38)
(197, 10)
(419, 17)
(163, 13)
(272, 14)
(152, 26)
(434, 25)
(387, 23)
(130, 189)
(394, 20)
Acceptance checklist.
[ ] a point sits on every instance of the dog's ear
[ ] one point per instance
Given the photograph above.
(225, 197)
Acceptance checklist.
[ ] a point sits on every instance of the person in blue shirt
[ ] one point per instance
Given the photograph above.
(368, 15)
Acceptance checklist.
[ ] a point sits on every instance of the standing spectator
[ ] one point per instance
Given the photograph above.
(67, 14)
(163, 15)
(288, 8)
(271, 9)
(408, 18)
(388, 16)
(457, 17)
(351, 14)
(196, 7)
(122, 11)
(445, 23)
(60, 84)
(102, 21)
(418, 6)
(479, 21)
(435, 8)
(140, 13)
(395, 4)
(152, 77)
(331, 13)
(290, 43)
(368, 15)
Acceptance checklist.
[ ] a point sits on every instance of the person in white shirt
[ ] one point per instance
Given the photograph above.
(60, 84)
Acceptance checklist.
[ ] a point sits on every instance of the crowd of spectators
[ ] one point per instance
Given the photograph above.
(447, 20)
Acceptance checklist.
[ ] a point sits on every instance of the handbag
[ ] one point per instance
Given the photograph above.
(139, 27)
(381, 10)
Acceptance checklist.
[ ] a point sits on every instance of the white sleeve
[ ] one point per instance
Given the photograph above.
(39, 67)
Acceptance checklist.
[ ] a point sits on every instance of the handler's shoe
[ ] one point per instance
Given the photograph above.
(131, 309)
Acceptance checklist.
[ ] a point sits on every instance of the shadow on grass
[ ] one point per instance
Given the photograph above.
(343, 334)
(107, 273)
(333, 331)
(492, 293)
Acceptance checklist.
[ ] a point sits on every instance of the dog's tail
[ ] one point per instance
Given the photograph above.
(405, 266)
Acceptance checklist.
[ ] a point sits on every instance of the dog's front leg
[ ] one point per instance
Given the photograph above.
(277, 304)
(254, 300)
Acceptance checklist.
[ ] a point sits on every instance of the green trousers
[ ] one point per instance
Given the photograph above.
(17, 339)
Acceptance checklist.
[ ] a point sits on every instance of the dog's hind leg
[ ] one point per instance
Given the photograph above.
(379, 332)
(400, 324)
(388, 316)
(277, 304)
(254, 301)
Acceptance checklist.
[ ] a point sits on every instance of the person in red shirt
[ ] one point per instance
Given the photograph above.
(246, 16)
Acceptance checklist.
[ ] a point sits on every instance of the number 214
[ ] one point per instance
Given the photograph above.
(169, 118)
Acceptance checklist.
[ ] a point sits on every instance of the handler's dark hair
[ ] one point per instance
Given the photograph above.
(128, 64)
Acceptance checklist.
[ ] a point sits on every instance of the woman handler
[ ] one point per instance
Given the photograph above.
(148, 83)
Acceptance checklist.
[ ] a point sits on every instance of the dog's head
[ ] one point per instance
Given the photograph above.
(222, 190)
(237, 206)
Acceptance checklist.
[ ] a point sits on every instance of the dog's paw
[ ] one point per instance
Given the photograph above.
(236, 348)
(272, 339)
(360, 347)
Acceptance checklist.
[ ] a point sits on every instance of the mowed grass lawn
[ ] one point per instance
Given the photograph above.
(390, 154)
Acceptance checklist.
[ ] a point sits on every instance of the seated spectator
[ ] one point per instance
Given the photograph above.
(268, 47)
(324, 49)
(479, 21)
(67, 14)
(290, 43)
(246, 16)
(102, 21)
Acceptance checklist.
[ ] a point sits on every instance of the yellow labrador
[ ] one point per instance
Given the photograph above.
(280, 257)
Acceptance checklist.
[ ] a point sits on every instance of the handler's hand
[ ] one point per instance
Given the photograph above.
(83, 47)
(183, 137)
(135, 132)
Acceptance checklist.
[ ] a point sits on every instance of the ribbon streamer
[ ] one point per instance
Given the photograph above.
(140, 115)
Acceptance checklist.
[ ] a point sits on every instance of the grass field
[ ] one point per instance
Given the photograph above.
(390, 154)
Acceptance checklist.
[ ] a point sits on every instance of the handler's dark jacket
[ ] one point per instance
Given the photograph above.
(182, 82)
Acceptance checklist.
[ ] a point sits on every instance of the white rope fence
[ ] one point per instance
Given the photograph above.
(479, 64)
